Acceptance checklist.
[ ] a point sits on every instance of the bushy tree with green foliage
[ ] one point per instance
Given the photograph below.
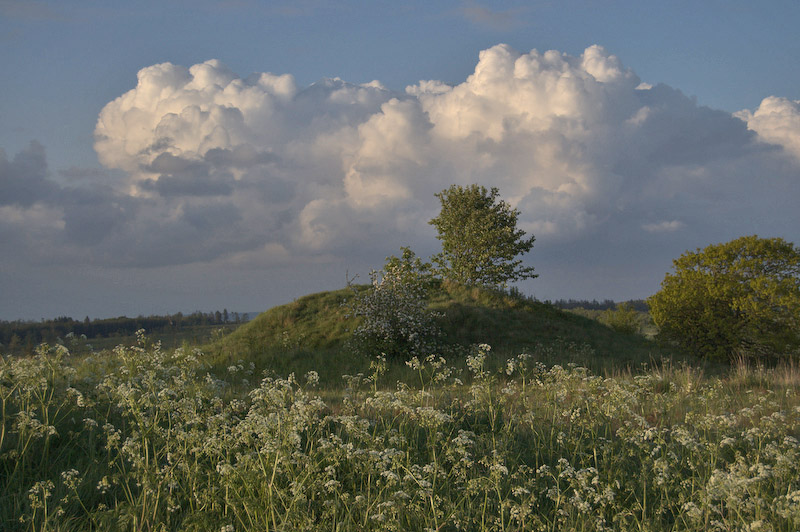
(480, 239)
(741, 298)
(410, 271)
(623, 319)
(396, 319)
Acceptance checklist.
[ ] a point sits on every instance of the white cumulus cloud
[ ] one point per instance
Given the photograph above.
(217, 165)
(777, 121)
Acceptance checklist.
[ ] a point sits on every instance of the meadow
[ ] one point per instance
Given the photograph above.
(148, 438)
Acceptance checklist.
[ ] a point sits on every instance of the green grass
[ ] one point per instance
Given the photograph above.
(191, 335)
(308, 334)
(513, 325)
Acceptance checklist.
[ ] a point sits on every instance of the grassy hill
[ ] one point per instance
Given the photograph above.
(311, 333)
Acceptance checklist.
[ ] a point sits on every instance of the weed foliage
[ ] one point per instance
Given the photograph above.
(147, 439)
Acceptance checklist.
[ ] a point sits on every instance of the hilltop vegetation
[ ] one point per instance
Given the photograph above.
(312, 333)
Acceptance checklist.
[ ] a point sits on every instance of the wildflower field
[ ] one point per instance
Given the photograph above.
(143, 438)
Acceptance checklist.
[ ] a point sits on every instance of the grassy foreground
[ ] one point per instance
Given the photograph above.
(147, 439)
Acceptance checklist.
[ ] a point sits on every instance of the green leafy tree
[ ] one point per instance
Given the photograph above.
(741, 298)
(623, 319)
(480, 239)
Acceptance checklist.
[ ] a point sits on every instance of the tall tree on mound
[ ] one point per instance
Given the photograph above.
(480, 239)
(741, 298)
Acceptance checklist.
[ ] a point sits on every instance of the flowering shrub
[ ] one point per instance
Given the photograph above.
(394, 308)
(146, 442)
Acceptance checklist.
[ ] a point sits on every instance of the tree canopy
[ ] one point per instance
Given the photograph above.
(741, 298)
(480, 239)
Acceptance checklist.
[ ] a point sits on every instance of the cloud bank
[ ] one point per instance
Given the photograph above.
(205, 165)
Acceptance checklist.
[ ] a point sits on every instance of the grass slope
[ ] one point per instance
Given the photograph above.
(514, 325)
(311, 333)
(308, 334)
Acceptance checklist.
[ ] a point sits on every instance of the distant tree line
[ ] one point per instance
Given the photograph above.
(19, 333)
(607, 304)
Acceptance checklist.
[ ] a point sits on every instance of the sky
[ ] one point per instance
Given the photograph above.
(168, 156)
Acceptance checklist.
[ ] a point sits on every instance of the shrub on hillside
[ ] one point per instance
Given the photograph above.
(396, 319)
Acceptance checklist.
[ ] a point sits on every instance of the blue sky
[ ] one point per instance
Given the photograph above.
(645, 133)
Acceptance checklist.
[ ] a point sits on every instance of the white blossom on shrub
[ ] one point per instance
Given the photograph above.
(396, 319)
